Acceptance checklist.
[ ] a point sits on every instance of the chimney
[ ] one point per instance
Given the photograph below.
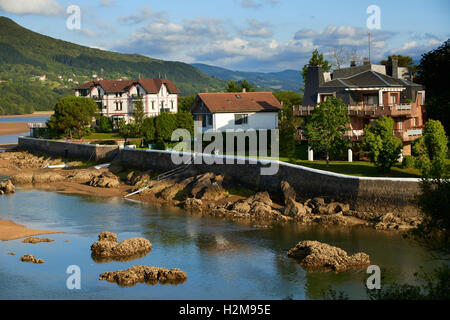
(366, 61)
(314, 79)
(244, 90)
(394, 68)
(353, 63)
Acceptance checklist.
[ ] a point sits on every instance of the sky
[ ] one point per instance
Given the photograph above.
(245, 35)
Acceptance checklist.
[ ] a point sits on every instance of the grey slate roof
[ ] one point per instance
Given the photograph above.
(368, 78)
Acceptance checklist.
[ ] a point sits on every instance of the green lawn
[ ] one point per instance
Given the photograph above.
(102, 136)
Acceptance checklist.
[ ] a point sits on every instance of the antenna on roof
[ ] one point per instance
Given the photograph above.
(369, 49)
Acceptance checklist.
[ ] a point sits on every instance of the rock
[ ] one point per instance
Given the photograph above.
(390, 221)
(334, 207)
(214, 192)
(193, 204)
(202, 182)
(105, 180)
(34, 240)
(313, 254)
(46, 177)
(31, 258)
(109, 247)
(23, 178)
(7, 187)
(11, 253)
(288, 192)
(170, 192)
(148, 274)
(84, 175)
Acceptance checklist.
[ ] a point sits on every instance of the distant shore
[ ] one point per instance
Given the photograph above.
(34, 114)
(11, 231)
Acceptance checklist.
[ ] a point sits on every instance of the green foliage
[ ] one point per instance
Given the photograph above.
(433, 72)
(160, 145)
(105, 142)
(165, 125)
(383, 148)
(138, 115)
(184, 120)
(73, 115)
(325, 129)
(409, 162)
(127, 130)
(287, 131)
(403, 61)
(148, 129)
(431, 150)
(289, 98)
(105, 125)
(185, 103)
(239, 86)
(25, 54)
(432, 286)
(316, 60)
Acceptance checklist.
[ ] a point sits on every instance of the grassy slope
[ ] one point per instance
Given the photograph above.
(24, 54)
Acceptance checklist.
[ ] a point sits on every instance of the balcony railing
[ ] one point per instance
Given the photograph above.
(136, 97)
(414, 132)
(97, 97)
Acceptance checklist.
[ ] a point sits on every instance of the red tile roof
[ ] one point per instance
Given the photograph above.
(150, 85)
(240, 102)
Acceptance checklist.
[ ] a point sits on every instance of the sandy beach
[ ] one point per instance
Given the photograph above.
(11, 231)
(7, 128)
(35, 114)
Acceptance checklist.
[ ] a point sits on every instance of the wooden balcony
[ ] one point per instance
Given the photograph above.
(408, 135)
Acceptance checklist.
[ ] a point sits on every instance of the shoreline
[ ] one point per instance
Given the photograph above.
(9, 230)
(28, 115)
(10, 128)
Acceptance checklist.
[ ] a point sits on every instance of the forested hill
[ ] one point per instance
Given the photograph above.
(26, 55)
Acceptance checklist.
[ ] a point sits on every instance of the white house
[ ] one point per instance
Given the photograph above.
(244, 110)
(116, 98)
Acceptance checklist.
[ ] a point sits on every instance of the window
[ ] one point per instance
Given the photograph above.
(171, 104)
(325, 97)
(118, 106)
(393, 99)
(240, 119)
(370, 99)
(153, 105)
(162, 104)
(400, 125)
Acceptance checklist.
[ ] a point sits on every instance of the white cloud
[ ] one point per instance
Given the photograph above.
(254, 4)
(107, 3)
(145, 14)
(37, 7)
(257, 29)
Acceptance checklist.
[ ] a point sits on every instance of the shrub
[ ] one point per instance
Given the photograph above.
(160, 145)
(105, 142)
(409, 162)
(165, 125)
(105, 125)
(148, 130)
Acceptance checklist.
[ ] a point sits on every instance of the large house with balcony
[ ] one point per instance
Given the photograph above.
(116, 98)
(232, 111)
(370, 93)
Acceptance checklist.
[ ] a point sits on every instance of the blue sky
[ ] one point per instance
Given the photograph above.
(248, 35)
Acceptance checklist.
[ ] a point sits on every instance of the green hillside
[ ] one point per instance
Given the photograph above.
(25, 55)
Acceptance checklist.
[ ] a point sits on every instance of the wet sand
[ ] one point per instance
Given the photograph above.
(7, 128)
(11, 231)
(36, 114)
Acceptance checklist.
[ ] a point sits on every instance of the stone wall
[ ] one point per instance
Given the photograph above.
(364, 194)
(69, 149)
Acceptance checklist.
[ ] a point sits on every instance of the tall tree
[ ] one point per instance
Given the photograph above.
(185, 103)
(379, 141)
(403, 61)
(287, 132)
(433, 72)
(325, 129)
(72, 116)
(138, 114)
(232, 86)
(316, 60)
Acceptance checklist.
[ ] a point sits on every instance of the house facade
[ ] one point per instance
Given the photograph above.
(369, 93)
(233, 111)
(116, 98)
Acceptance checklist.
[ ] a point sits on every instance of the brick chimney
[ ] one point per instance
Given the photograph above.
(394, 68)
(314, 79)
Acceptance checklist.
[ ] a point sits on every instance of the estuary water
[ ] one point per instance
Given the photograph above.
(223, 260)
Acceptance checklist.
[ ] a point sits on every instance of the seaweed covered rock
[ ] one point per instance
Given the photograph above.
(108, 246)
(35, 240)
(31, 258)
(317, 255)
(105, 180)
(145, 274)
(7, 187)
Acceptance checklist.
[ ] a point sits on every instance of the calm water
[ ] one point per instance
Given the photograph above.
(223, 260)
(12, 138)
(24, 119)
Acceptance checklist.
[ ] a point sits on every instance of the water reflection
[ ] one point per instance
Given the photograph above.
(223, 260)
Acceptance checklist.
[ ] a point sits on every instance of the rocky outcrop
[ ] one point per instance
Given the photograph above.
(31, 258)
(317, 255)
(145, 274)
(105, 180)
(7, 187)
(38, 177)
(108, 247)
(35, 240)
(390, 221)
(84, 175)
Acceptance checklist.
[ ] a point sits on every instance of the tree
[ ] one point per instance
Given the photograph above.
(184, 120)
(316, 60)
(73, 115)
(185, 103)
(433, 72)
(148, 129)
(379, 141)
(289, 98)
(325, 129)
(287, 131)
(105, 125)
(165, 125)
(239, 86)
(127, 130)
(138, 114)
(340, 57)
(431, 149)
